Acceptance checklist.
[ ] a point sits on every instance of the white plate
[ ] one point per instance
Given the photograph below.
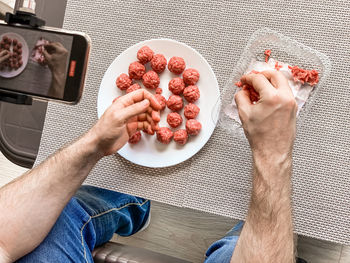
(149, 152)
(25, 55)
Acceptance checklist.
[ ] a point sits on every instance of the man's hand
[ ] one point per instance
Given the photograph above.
(4, 55)
(56, 57)
(138, 110)
(35, 200)
(270, 124)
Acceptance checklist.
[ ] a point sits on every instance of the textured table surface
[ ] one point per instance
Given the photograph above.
(217, 179)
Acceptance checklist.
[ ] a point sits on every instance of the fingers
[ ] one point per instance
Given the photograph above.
(242, 99)
(46, 55)
(277, 79)
(259, 82)
(134, 109)
(137, 96)
(4, 55)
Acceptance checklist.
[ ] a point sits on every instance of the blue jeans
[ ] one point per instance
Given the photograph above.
(222, 250)
(90, 219)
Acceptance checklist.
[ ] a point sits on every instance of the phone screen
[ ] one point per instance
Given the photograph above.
(35, 62)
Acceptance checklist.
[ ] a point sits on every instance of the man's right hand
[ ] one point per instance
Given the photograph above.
(4, 55)
(138, 110)
(270, 123)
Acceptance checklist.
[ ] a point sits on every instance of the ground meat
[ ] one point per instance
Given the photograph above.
(176, 86)
(181, 137)
(278, 66)
(267, 55)
(191, 111)
(175, 103)
(123, 82)
(136, 70)
(253, 95)
(190, 76)
(133, 87)
(159, 91)
(191, 93)
(176, 65)
(161, 100)
(164, 135)
(174, 119)
(193, 127)
(158, 63)
(135, 138)
(304, 75)
(145, 54)
(151, 80)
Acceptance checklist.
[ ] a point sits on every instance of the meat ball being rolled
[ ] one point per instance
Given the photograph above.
(175, 103)
(174, 119)
(135, 138)
(162, 101)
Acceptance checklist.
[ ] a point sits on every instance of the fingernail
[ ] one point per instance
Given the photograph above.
(145, 102)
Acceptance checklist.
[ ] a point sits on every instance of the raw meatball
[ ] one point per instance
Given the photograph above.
(190, 76)
(176, 65)
(151, 80)
(15, 42)
(174, 119)
(158, 63)
(136, 70)
(123, 82)
(164, 135)
(193, 127)
(175, 103)
(159, 91)
(181, 136)
(19, 45)
(19, 51)
(176, 86)
(145, 54)
(135, 138)
(191, 93)
(191, 111)
(161, 100)
(133, 87)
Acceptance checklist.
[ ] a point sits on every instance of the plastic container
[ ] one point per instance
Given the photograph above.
(284, 50)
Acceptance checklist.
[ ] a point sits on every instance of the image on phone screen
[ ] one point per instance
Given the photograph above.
(34, 61)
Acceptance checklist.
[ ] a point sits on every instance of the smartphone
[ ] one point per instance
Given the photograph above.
(45, 63)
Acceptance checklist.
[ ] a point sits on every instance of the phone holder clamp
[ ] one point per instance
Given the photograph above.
(26, 19)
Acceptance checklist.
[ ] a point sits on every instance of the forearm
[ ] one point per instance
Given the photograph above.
(31, 204)
(268, 232)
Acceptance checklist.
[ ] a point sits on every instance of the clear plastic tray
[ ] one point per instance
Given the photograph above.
(283, 49)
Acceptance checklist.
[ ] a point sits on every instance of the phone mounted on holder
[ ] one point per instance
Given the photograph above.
(24, 18)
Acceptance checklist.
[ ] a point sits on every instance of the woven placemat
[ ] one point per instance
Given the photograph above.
(217, 179)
